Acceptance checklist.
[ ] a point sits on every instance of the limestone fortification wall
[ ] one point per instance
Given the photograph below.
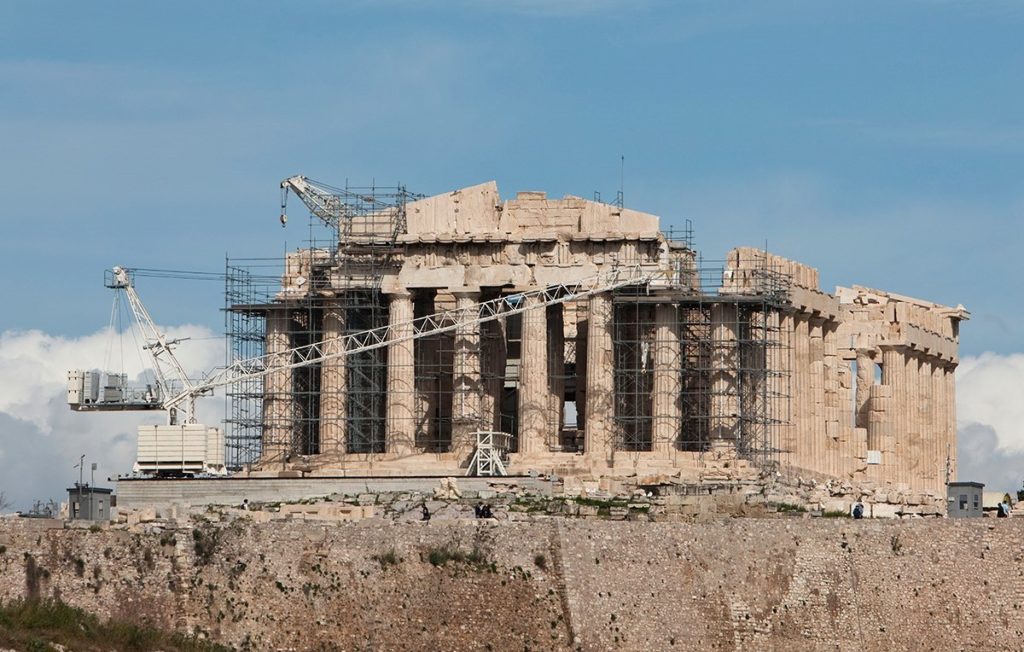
(740, 584)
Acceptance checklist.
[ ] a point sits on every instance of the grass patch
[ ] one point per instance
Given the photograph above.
(786, 507)
(389, 558)
(541, 562)
(35, 624)
(530, 504)
(449, 553)
(832, 513)
(607, 503)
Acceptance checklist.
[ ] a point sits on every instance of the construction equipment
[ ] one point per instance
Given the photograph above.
(188, 447)
(322, 201)
(84, 387)
(176, 448)
(441, 322)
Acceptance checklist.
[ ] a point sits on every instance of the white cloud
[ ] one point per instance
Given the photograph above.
(41, 438)
(990, 420)
(989, 390)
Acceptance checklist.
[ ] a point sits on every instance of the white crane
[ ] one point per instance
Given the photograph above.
(448, 320)
(168, 372)
(188, 447)
(165, 364)
(321, 200)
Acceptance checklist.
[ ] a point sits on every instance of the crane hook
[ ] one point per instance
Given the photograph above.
(284, 205)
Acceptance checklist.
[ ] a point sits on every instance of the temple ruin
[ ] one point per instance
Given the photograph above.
(697, 370)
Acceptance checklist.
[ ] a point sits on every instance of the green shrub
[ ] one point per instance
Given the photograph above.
(389, 558)
(835, 514)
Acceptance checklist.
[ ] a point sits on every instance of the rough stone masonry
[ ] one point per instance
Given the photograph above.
(543, 584)
(750, 359)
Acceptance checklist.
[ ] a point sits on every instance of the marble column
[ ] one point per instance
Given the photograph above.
(667, 408)
(837, 459)
(949, 380)
(599, 433)
(466, 415)
(775, 357)
(894, 377)
(724, 370)
(278, 396)
(555, 320)
(912, 449)
(533, 379)
(937, 431)
(401, 396)
(426, 377)
(333, 384)
(494, 357)
(880, 428)
(802, 405)
(787, 384)
(816, 384)
(865, 379)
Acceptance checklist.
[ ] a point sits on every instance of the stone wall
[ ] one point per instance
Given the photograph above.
(740, 584)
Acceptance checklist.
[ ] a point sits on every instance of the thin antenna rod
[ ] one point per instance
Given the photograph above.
(622, 180)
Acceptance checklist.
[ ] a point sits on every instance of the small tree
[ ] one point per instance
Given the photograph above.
(4, 502)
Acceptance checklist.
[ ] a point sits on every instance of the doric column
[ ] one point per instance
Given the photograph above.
(426, 350)
(599, 428)
(937, 427)
(466, 416)
(949, 379)
(401, 396)
(938, 415)
(333, 384)
(894, 376)
(880, 428)
(556, 373)
(801, 403)
(494, 357)
(667, 410)
(912, 448)
(786, 384)
(278, 398)
(724, 369)
(865, 379)
(816, 384)
(837, 456)
(776, 371)
(533, 379)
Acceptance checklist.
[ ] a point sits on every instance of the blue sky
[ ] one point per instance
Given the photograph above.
(882, 142)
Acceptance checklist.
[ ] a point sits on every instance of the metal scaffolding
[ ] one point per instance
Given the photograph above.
(707, 354)
(696, 356)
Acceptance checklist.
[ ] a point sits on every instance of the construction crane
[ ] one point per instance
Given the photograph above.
(441, 322)
(169, 374)
(180, 447)
(322, 200)
(188, 448)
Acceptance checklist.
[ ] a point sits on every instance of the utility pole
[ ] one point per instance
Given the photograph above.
(81, 471)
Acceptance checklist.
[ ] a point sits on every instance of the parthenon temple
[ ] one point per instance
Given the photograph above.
(575, 337)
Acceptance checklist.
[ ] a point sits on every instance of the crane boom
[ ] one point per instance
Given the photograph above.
(165, 363)
(449, 320)
(320, 200)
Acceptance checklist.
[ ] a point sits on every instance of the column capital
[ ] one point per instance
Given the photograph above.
(465, 292)
(898, 348)
(398, 293)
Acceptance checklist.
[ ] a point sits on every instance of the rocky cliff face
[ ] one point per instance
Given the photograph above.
(545, 584)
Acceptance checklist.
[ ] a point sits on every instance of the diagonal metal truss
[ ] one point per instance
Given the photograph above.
(448, 320)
